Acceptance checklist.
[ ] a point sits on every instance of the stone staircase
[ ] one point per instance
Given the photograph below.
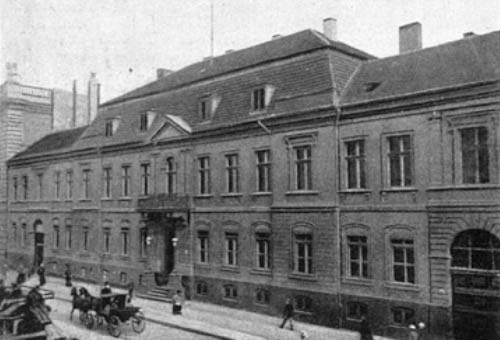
(164, 292)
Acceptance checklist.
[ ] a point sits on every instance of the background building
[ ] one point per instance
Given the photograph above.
(300, 167)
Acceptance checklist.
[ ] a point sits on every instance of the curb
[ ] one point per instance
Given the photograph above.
(172, 325)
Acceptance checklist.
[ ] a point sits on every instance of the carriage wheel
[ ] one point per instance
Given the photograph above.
(139, 322)
(114, 326)
(89, 320)
(82, 316)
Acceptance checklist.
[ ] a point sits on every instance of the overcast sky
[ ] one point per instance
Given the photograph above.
(125, 41)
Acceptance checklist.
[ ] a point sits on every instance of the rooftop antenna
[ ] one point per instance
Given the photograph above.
(212, 28)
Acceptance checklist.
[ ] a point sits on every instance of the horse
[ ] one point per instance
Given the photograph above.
(81, 300)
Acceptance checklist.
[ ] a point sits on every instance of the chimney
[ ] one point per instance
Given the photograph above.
(93, 97)
(162, 72)
(469, 34)
(330, 28)
(12, 75)
(75, 104)
(410, 37)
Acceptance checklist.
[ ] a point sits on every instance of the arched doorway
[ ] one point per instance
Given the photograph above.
(39, 242)
(475, 272)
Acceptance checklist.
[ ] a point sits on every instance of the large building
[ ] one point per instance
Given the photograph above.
(300, 167)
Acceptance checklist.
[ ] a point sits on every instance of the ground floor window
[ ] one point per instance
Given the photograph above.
(230, 292)
(123, 277)
(262, 296)
(303, 303)
(201, 288)
(402, 316)
(356, 310)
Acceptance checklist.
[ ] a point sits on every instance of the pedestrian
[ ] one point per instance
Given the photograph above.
(130, 287)
(67, 276)
(21, 275)
(413, 333)
(421, 330)
(288, 314)
(177, 303)
(106, 298)
(365, 330)
(41, 274)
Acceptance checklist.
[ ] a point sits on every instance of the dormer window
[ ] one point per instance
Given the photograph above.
(146, 120)
(261, 98)
(111, 126)
(204, 109)
(208, 106)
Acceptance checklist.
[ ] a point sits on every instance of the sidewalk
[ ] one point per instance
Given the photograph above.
(213, 320)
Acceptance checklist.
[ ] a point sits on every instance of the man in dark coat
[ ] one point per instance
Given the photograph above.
(288, 314)
(21, 275)
(130, 288)
(41, 274)
(67, 276)
(106, 298)
(365, 330)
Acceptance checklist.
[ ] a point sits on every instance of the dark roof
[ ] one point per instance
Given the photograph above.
(286, 46)
(469, 60)
(55, 141)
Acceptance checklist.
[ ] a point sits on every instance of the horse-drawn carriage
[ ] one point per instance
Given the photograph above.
(112, 309)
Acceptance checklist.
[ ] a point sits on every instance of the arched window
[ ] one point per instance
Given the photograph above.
(476, 249)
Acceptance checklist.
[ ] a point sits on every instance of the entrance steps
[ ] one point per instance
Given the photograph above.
(158, 293)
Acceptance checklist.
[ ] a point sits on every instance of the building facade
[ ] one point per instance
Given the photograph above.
(300, 167)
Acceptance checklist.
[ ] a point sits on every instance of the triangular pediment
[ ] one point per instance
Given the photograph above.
(172, 127)
(168, 131)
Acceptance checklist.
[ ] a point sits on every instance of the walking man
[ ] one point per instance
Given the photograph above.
(130, 287)
(288, 314)
(41, 274)
(67, 276)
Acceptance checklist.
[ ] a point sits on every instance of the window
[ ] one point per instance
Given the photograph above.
(85, 238)
(123, 277)
(204, 109)
(14, 234)
(146, 120)
(263, 171)
(204, 175)
(232, 173)
(302, 173)
(400, 161)
(303, 303)
(230, 292)
(145, 176)
(476, 249)
(263, 250)
(124, 236)
(171, 176)
(83, 272)
(203, 246)
(57, 237)
(231, 245)
(355, 161)
(86, 183)
(68, 237)
(302, 251)
(208, 106)
(201, 288)
(57, 185)
(40, 186)
(125, 180)
(402, 316)
(475, 157)
(143, 246)
(69, 184)
(357, 256)
(107, 178)
(403, 260)
(15, 187)
(356, 310)
(109, 128)
(25, 187)
(106, 240)
(24, 235)
(258, 99)
(262, 296)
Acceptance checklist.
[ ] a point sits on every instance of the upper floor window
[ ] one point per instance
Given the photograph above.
(143, 242)
(40, 186)
(146, 120)
(475, 155)
(263, 250)
(24, 235)
(56, 237)
(232, 173)
(231, 253)
(86, 183)
(204, 175)
(208, 106)
(69, 184)
(14, 234)
(57, 185)
(302, 250)
(106, 240)
(111, 125)
(107, 180)
(302, 167)
(204, 109)
(25, 187)
(400, 161)
(85, 238)
(259, 99)
(15, 187)
(171, 176)
(124, 241)
(125, 181)
(203, 239)
(403, 260)
(355, 162)
(68, 237)
(357, 256)
(145, 178)
(263, 170)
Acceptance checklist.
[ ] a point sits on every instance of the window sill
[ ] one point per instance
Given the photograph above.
(204, 196)
(258, 112)
(399, 189)
(301, 192)
(355, 191)
(261, 193)
(124, 257)
(358, 281)
(231, 194)
(402, 286)
(265, 272)
(107, 198)
(85, 200)
(304, 277)
(464, 187)
(233, 269)
(202, 264)
(84, 254)
(125, 198)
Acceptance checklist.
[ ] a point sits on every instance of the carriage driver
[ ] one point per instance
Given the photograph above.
(106, 298)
